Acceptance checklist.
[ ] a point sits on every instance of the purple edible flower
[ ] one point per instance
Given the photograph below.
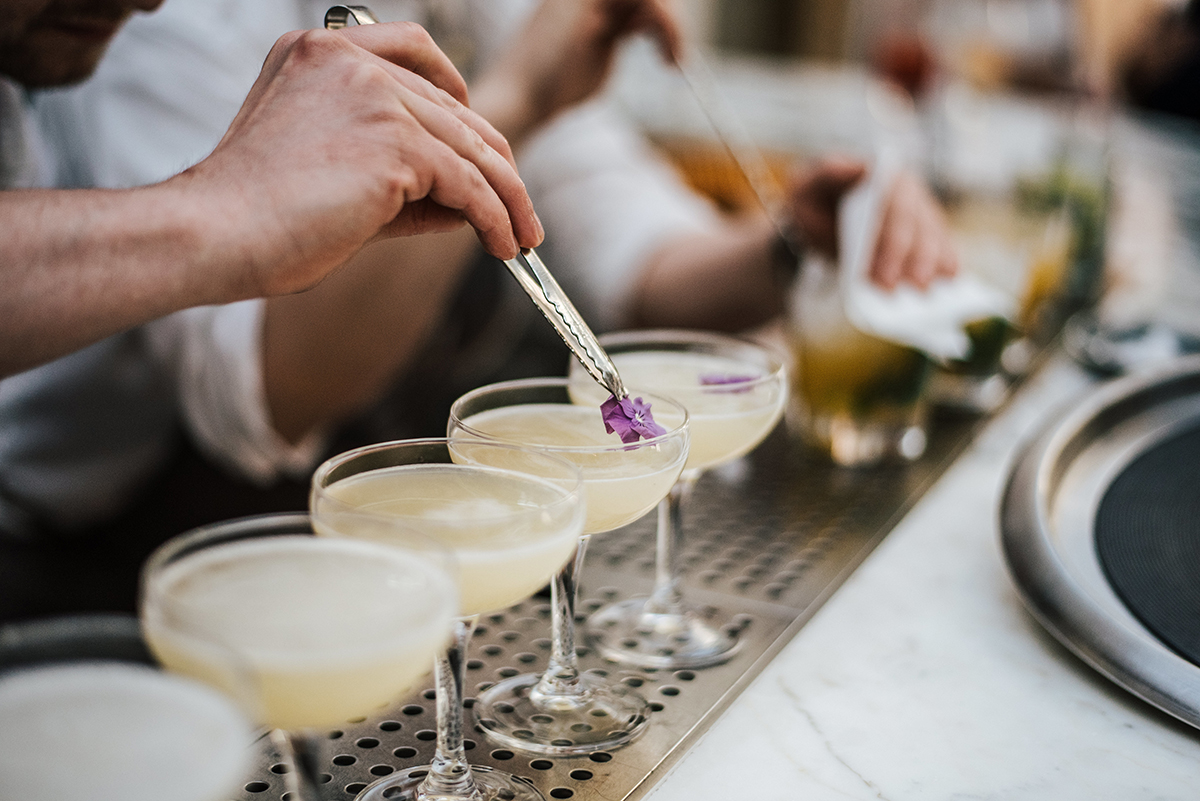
(721, 379)
(630, 419)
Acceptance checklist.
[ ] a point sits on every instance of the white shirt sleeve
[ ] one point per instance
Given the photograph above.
(607, 201)
(215, 356)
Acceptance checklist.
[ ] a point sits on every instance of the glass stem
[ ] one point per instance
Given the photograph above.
(561, 677)
(667, 599)
(449, 773)
(303, 752)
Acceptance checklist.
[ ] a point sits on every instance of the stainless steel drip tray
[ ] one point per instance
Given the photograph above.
(767, 540)
(1049, 523)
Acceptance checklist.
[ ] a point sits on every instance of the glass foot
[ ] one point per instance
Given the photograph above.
(604, 716)
(494, 785)
(626, 632)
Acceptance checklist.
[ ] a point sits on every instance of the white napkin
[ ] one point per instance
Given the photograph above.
(930, 320)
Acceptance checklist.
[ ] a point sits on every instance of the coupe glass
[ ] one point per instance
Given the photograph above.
(86, 686)
(510, 515)
(308, 631)
(563, 711)
(735, 392)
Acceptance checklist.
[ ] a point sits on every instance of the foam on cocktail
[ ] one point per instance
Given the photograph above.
(727, 419)
(114, 731)
(321, 629)
(511, 533)
(621, 483)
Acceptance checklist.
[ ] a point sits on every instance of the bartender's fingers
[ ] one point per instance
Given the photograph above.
(947, 265)
(423, 88)
(483, 185)
(920, 268)
(408, 45)
(897, 235)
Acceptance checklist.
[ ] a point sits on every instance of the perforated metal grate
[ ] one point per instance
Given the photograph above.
(767, 540)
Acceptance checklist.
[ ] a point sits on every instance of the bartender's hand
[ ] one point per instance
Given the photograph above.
(349, 136)
(914, 244)
(563, 56)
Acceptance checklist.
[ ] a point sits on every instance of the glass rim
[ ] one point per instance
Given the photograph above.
(573, 493)
(565, 382)
(286, 523)
(682, 337)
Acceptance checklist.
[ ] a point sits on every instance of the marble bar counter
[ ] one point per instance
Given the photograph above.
(924, 677)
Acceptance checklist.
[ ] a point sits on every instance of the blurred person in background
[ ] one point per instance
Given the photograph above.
(262, 386)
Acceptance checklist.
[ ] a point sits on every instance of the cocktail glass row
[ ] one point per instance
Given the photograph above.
(453, 528)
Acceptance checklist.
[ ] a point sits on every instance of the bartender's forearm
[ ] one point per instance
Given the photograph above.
(81, 265)
(726, 280)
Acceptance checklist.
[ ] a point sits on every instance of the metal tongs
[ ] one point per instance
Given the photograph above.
(529, 270)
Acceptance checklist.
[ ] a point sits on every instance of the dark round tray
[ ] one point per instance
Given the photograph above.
(1097, 522)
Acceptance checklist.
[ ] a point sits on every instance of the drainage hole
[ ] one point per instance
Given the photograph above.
(502, 755)
(257, 787)
(580, 728)
(468, 745)
(507, 672)
(468, 703)
(344, 760)
(543, 643)
(581, 775)
(355, 788)
(562, 792)
(633, 681)
(542, 719)
(600, 756)
(655, 706)
(492, 650)
(669, 690)
(474, 664)
(390, 725)
(480, 631)
(541, 764)
(405, 752)
(279, 768)
(509, 636)
(336, 734)
(503, 708)
(684, 675)
(427, 735)
(526, 658)
(413, 709)
(484, 685)
(381, 770)
(430, 694)
(366, 742)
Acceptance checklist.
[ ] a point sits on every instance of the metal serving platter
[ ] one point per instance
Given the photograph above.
(767, 541)
(1047, 530)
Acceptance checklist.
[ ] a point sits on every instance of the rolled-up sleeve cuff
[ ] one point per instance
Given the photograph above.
(216, 354)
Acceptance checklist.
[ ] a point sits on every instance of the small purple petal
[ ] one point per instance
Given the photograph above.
(629, 419)
(712, 379)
